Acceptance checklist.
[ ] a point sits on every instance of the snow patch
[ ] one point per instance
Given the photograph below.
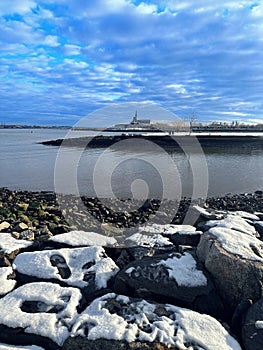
(83, 238)
(168, 229)
(184, 271)
(144, 240)
(80, 263)
(6, 285)
(146, 322)
(238, 243)
(9, 244)
(234, 222)
(46, 322)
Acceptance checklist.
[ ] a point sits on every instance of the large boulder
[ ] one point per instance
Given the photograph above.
(88, 268)
(235, 260)
(38, 313)
(124, 321)
(176, 277)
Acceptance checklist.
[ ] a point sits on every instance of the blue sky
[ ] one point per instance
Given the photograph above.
(61, 60)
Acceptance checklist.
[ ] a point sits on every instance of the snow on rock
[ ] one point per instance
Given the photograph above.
(233, 222)
(246, 215)
(184, 271)
(44, 309)
(83, 238)
(244, 245)
(17, 347)
(6, 285)
(77, 266)
(9, 244)
(144, 240)
(121, 318)
(209, 214)
(168, 229)
(234, 259)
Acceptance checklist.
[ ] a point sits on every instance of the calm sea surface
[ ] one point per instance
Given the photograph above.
(152, 172)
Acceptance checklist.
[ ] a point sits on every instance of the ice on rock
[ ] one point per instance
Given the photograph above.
(6, 285)
(57, 310)
(121, 318)
(72, 266)
(83, 238)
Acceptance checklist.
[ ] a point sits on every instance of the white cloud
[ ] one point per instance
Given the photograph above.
(72, 50)
(16, 6)
(144, 8)
(51, 40)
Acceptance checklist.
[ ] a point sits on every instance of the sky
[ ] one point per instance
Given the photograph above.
(62, 60)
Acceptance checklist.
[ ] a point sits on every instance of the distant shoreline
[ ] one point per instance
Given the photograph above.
(165, 141)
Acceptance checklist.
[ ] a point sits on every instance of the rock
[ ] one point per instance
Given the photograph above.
(21, 226)
(259, 227)
(20, 347)
(252, 330)
(129, 321)
(234, 260)
(4, 225)
(175, 277)
(28, 235)
(88, 268)
(39, 313)
(186, 238)
(210, 214)
(79, 343)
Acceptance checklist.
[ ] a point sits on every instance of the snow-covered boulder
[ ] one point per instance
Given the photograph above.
(83, 238)
(119, 318)
(43, 313)
(235, 260)
(88, 267)
(175, 276)
(147, 240)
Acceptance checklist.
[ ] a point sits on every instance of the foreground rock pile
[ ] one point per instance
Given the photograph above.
(168, 286)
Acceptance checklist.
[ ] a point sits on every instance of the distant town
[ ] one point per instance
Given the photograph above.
(144, 125)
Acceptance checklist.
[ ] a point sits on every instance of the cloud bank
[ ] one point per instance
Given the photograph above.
(61, 60)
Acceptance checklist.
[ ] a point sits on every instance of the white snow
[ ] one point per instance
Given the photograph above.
(6, 285)
(146, 322)
(17, 347)
(184, 271)
(246, 215)
(38, 264)
(168, 229)
(238, 243)
(219, 214)
(259, 324)
(234, 222)
(9, 244)
(48, 295)
(144, 240)
(83, 238)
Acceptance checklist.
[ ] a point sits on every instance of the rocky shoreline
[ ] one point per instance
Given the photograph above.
(66, 281)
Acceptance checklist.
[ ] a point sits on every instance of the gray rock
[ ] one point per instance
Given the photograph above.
(252, 330)
(175, 277)
(234, 260)
(21, 226)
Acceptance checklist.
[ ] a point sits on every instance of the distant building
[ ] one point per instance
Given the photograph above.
(135, 123)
